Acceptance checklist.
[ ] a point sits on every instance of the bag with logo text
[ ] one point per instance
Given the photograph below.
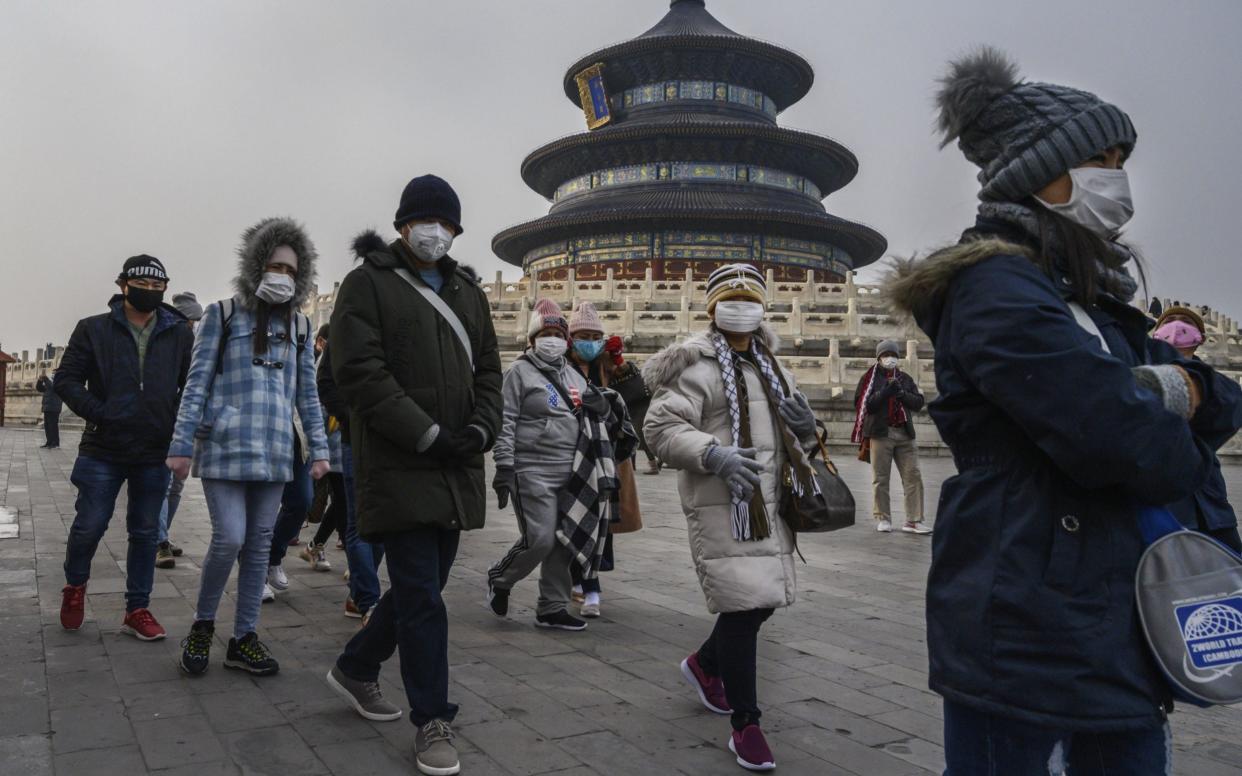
(1189, 593)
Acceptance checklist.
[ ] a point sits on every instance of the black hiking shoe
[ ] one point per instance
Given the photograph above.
(196, 648)
(497, 600)
(250, 655)
(561, 620)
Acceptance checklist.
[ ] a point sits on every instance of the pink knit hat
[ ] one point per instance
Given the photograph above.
(585, 318)
(547, 315)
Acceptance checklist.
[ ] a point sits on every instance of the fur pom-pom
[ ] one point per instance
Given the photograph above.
(366, 242)
(970, 84)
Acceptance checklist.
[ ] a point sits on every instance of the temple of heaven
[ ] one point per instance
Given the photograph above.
(683, 165)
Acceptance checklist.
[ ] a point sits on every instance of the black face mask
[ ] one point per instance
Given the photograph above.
(144, 300)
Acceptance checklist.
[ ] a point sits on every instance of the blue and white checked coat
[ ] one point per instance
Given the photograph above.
(238, 425)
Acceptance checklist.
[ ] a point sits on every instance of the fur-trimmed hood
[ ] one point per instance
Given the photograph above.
(256, 248)
(370, 246)
(915, 288)
(664, 367)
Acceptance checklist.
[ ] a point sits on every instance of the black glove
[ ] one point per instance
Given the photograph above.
(503, 483)
(465, 443)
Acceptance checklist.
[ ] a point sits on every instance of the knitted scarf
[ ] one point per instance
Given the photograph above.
(750, 519)
(1116, 282)
(586, 504)
(896, 410)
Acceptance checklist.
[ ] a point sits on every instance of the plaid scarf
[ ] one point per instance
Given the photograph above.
(750, 520)
(587, 503)
(896, 410)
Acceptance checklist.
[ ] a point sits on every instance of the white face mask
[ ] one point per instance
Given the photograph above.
(276, 288)
(551, 348)
(889, 363)
(738, 317)
(430, 241)
(1100, 200)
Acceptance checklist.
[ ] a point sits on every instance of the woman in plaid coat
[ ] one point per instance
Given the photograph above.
(253, 366)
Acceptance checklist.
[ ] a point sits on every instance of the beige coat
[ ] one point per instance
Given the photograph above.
(688, 414)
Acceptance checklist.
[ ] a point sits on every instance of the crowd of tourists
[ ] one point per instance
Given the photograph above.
(1063, 404)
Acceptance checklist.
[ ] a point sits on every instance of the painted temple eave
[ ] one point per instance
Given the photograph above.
(785, 76)
(864, 244)
(828, 163)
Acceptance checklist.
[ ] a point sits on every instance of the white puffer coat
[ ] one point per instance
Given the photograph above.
(688, 414)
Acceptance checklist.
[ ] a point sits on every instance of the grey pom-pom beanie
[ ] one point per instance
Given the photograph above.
(1023, 135)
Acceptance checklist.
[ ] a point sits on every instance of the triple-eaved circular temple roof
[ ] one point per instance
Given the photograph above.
(685, 166)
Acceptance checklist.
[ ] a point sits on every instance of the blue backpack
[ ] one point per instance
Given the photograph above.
(1189, 593)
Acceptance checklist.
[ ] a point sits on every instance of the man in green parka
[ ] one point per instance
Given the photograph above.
(414, 356)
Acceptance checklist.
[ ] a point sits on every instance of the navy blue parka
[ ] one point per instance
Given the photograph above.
(1030, 597)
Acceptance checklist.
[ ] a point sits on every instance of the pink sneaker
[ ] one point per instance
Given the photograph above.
(752, 749)
(710, 689)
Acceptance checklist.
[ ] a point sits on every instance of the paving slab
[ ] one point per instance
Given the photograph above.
(842, 674)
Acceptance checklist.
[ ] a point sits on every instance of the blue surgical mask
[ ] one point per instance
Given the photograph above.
(588, 350)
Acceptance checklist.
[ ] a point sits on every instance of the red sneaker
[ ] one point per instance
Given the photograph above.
(73, 606)
(752, 749)
(710, 688)
(141, 624)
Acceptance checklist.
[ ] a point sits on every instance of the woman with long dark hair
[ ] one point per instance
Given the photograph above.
(1063, 419)
(253, 366)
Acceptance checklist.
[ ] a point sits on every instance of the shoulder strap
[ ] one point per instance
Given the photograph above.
(1088, 325)
(443, 309)
(226, 318)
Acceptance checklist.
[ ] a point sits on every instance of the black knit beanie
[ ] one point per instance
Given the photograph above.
(143, 266)
(428, 196)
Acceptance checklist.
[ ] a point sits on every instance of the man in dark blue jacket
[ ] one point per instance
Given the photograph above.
(51, 412)
(123, 372)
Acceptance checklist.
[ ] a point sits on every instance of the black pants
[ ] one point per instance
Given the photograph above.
(411, 617)
(334, 515)
(51, 428)
(729, 653)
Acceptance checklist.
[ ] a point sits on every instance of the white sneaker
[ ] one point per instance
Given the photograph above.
(590, 606)
(884, 526)
(319, 559)
(269, 594)
(276, 578)
(916, 528)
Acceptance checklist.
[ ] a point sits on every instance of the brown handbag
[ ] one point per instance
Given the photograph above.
(864, 450)
(631, 512)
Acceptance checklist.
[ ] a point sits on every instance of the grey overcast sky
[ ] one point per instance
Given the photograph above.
(167, 127)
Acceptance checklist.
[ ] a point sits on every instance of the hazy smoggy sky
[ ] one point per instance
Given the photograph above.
(167, 127)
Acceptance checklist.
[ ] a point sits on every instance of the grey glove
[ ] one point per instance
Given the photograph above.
(594, 400)
(736, 466)
(504, 484)
(1171, 384)
(796, 411)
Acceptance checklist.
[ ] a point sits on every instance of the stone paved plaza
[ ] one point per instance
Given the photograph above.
(843, 674)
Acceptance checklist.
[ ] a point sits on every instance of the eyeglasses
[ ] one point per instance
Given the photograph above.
(269, 364)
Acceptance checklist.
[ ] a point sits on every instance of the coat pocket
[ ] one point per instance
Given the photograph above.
(221, 428)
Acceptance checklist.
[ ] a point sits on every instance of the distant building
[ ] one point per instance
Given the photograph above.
(685, 168)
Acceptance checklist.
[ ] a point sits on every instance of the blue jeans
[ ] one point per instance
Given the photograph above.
(242, 515)
(98, 483)
(411, 617)
(169, 509)
(362, 557)
(295, 502)
(977, 743)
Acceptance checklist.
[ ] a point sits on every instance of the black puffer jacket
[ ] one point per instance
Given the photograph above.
(401, 370)
(129, 413)
(876, 425)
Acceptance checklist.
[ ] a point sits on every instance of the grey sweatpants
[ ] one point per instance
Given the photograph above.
(535, 505)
